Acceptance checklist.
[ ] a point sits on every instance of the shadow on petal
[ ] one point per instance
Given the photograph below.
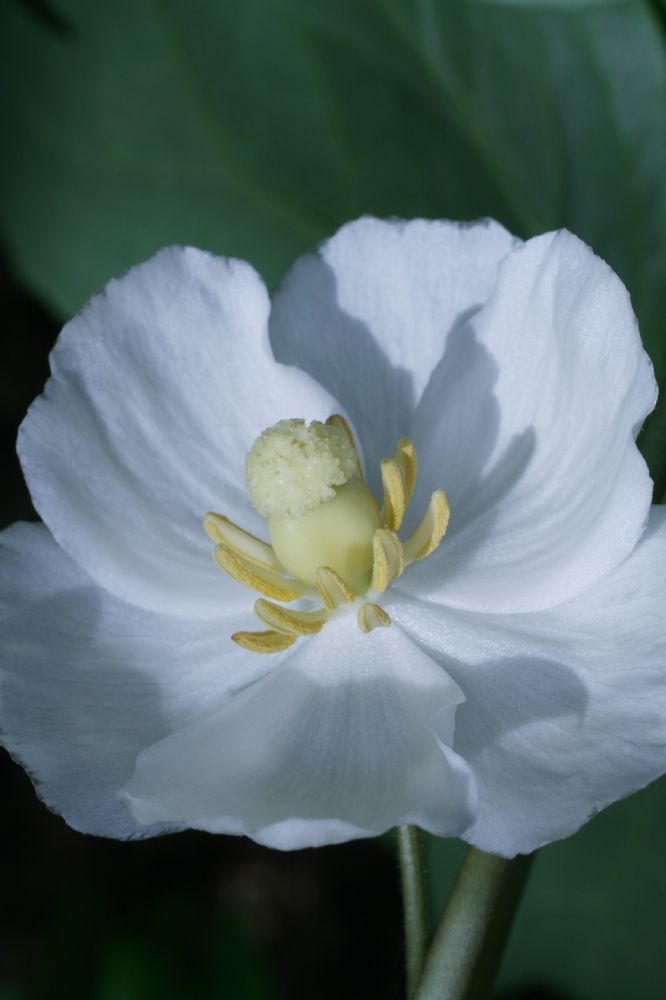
(377, 395)
(322, 749)
(455, 431)
(454, 425)
(510, 694)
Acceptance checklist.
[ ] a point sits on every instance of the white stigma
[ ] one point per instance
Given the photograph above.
(293, 467)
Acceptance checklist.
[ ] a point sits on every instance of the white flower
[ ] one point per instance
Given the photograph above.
(520, 685)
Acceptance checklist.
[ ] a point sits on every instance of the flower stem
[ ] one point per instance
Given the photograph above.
(469, 943)
(414, 905)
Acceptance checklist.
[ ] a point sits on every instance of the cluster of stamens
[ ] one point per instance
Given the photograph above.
(363, 571)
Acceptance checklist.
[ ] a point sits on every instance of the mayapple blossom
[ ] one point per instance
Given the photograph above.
(422, 458)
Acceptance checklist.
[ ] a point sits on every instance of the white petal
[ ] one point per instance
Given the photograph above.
(369, 315)
(159, 387)
(87, 682)
(529, 425)
(347, 738)
(565, 709)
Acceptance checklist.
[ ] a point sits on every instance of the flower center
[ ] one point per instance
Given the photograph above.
(306, 481)
(330, 543)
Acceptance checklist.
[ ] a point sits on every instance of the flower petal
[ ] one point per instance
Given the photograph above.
(369, 315)
(87, 682)
(565, 709)
(159, 387)
(529, 424)
(347, 738)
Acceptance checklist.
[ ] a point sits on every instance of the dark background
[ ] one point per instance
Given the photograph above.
(255, 129)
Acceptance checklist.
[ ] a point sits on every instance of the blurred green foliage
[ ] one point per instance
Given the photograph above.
(169, 951)
(591, 923)
(255, 129)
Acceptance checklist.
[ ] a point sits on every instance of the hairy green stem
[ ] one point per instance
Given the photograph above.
(414, 905)
(469, 943)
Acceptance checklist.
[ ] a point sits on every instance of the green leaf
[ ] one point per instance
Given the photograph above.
(256, 128)
(591, 921)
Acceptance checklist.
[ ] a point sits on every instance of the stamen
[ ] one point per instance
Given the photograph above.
(264, 642)
(291, 622)
(395, 495)
(405, 456)
(336, 420)
(430, 531)
(223, 531)
(332, 588)
(265, 581)
(372, 616)
(388, 561)
(398, 478)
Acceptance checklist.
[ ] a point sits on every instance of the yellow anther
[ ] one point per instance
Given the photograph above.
(388, 560)
(398, 478)
(405, 456)
(265, 581)
(264, 642)
(332, 588)
(430, 531)
(223, 531)
(372, 616)
(395, 497)
(290, 622)
(336, 420)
